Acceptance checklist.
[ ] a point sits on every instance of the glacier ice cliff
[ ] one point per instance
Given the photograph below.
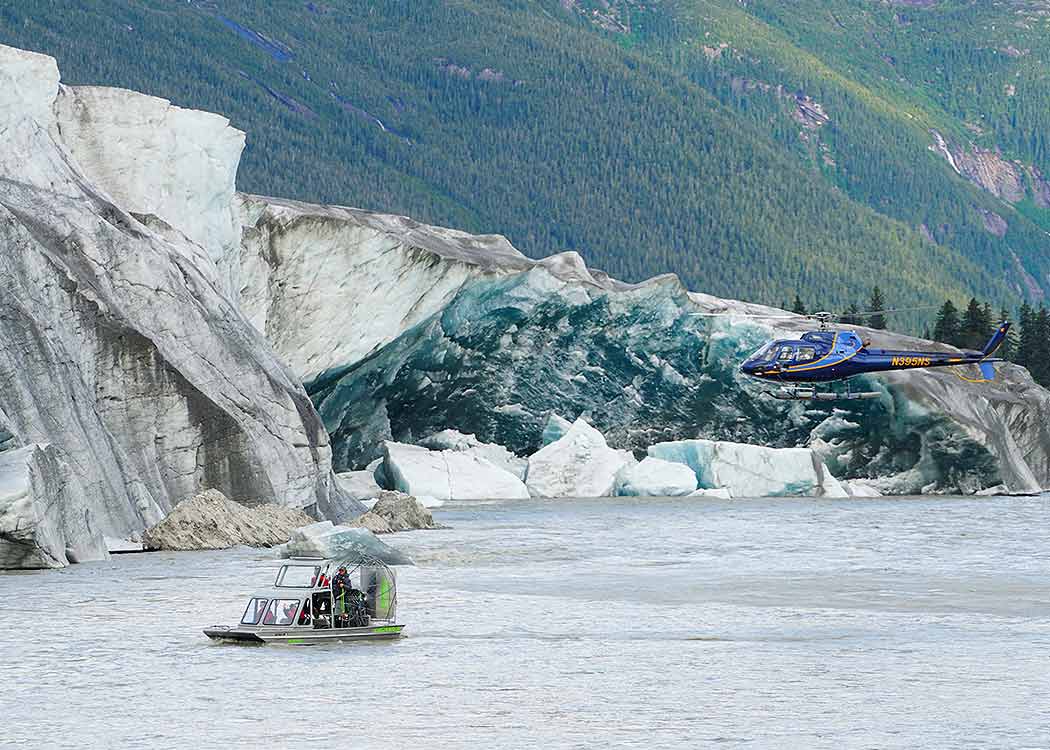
(120, 348)
(415, 329)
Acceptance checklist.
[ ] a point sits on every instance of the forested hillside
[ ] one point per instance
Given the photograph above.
(760, 151)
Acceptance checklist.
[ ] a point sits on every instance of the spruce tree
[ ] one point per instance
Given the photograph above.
(1009, 348)
(974, 326)
(798, 308)
(852, 316)
(1026, 338)
(946, 329)
(1040, 365)
(877, 319)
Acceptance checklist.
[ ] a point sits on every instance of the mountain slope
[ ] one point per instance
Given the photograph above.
(565, 131)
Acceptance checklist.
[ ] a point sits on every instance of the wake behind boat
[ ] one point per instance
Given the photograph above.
(314, 600)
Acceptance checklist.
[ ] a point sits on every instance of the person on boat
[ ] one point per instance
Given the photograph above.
(342, 588)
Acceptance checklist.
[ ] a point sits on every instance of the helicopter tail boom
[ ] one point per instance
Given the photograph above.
(997, 339)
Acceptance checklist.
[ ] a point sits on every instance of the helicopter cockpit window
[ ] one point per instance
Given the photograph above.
(787, 354)
(806, 354)
(762, 354)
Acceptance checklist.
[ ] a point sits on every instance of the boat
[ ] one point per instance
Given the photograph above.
(301, 608)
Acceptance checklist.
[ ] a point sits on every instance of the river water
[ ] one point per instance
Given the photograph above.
(613, 623)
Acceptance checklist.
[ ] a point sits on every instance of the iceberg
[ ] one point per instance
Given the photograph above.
(324, 539)
(752, 470)
(719, 492)
(448, 474)
(654, 477)
(579, 464)
(452, 440)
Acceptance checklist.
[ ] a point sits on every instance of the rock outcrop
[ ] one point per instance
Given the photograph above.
(119, 347)
(448, 475)
(211, 520)
(579, 464)
(395, 511)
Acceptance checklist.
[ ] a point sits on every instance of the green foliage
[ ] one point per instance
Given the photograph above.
(947, 327)
(875, 307)
(634, 146)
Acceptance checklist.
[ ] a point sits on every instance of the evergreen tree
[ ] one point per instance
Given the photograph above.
(1009, 347)
(975, 325)
(1040, 365)
(852, 316)
(946, 329)
(1026, 338)
(877, 319)
(798, 308)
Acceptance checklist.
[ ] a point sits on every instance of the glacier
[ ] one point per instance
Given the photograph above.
(521, 340)
(121, 348)
(157, 327)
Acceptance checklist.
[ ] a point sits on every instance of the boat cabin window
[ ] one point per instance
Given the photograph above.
(281, 612)
(253, 614)
(297, 576)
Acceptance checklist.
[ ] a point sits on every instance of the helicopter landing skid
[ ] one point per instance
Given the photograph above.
(809, 393)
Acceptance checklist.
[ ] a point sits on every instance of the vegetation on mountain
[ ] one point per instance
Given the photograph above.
(760, 150)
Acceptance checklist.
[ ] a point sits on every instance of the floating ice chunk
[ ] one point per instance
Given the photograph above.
(857, 488)
(654, 477)
(752, 470)
(579, 464)
(45, 519)
(720, 492)
(327, 540)
(448, 475)
(452, 440)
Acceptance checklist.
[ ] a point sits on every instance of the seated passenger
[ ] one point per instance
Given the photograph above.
(304, 616)
(288, 615)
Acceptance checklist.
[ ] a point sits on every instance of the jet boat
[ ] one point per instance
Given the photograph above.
(301, 608)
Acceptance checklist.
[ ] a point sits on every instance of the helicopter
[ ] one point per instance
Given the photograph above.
(825, 355)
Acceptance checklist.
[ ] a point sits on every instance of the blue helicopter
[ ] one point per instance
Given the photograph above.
(830, 355)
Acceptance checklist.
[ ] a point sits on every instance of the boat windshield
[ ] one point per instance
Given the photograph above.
(297, 576)
(253, 613)
(281, 612)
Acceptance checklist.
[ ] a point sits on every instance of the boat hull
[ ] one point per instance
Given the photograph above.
(303, 636)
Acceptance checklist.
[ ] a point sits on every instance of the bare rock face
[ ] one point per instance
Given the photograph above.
(119, 347)
(396, 511)
(211, 520)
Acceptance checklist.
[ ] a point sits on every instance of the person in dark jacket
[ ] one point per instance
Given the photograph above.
(342, 589)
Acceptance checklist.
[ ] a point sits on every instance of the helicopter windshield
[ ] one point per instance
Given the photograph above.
(762, 354)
